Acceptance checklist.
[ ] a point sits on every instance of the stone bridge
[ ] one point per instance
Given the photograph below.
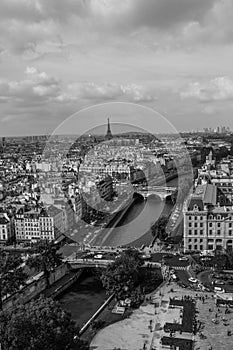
(161, 191)
(77, 263)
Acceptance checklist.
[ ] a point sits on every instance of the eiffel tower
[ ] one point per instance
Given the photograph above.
(108, 135)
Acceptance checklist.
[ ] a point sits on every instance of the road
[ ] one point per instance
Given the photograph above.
(173, 261)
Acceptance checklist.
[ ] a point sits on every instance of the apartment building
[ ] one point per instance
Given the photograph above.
(36, 225)
(207, 224)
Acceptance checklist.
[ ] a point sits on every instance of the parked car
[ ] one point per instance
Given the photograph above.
(184, 258)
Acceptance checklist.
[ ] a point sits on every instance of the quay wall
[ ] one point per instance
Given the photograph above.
(117, 220)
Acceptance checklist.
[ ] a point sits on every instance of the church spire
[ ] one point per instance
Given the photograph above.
(109, 133)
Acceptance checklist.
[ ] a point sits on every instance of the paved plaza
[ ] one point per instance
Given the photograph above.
(143, 330)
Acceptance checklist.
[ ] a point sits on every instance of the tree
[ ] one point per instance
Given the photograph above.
(12, 274)
(219, 260)
(158, 229)
(39, 325)
(122, 277)
(45, 259)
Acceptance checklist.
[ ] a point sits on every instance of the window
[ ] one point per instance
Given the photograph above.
(195, 247)
(190, 246)
(195, 232)
(201, 247)
(195, 225)
(190, 240)
(195, 217)
(201, 224)
(201, 240)
(190, 225)
(201, 232)
(210, 224)
(219, 224)
(219, 232)
(210, 232)
(230, 232)
(201, 218)
(195, 240)
(230, 224)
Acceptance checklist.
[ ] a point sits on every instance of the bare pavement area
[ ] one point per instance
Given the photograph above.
(144, 328)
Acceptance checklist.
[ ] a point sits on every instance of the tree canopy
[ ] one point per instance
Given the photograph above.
(123, 275)
(45, 258)
(158, 229)
(12, 274)
(39, 325)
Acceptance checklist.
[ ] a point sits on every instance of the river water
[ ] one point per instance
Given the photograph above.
(83, 298)
(134, 229)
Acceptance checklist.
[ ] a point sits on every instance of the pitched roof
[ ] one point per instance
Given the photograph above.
(3, 221)
(203, 195)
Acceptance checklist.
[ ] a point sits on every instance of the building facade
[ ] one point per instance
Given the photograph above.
(105, 188)
(207, 225)
(5, 228)
(39, 225)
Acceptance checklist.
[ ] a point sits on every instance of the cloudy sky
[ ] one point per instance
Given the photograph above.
(59, 56)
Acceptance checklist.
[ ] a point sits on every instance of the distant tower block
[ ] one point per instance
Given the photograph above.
(109, 133)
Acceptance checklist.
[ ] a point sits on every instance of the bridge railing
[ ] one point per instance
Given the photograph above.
(80, 261)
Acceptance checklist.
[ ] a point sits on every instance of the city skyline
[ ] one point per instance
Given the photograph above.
(173, 57)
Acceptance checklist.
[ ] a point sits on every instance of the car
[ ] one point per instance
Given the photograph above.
(219, 290)
(193, 280)
(183, 258)
(219, 282)
(146, 256)
(167, 256)
(98, 256)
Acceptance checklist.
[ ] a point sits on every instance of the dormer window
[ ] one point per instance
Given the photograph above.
(211, 217)
(195, 207)
(219, 217)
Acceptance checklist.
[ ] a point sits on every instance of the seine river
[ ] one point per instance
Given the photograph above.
(84, 297)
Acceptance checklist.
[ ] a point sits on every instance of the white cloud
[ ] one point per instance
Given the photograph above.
(36, 87)
(220, 88)
(106, 92)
